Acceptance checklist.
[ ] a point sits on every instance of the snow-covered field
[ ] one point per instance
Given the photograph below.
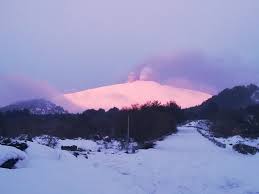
(182, 163)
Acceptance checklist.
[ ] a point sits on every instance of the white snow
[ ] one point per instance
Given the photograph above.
(230, 141)
(182, 163)
(7, 153)
(93, 146)
(255, 96)
(238, 139)
(137, 92)
(81, 143)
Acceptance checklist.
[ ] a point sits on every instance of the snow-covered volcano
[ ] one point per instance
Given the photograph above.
(138, 92)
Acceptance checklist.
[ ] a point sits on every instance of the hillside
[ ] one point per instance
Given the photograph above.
(35, 106)
(237, 97)
(229, 99)
(138, 92)
(232, 112)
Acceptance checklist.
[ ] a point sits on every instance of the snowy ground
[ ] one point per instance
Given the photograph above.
(238, 139)
(203, 125)
(182, 163)
(7, 153)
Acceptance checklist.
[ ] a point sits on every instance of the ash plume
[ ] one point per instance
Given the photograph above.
(198, 71)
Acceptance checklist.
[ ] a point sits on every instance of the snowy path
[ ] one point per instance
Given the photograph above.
(185, 163)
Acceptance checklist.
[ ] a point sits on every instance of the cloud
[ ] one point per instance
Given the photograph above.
(196, 70)
(19, 88)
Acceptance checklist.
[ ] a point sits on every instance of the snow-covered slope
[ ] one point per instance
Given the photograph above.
(138, 92)
(185, 162)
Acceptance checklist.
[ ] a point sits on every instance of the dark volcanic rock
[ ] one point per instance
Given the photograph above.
(72, 148)
(19, 146)
(6, 141)
(147, 145)
(10, 164)
(245, 149)
(76, 154)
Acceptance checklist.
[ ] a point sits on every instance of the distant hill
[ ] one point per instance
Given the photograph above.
(229, 99)
(232, 112)
(35, 106)
(235, 98)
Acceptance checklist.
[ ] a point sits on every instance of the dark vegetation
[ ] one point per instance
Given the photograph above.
(233, 112)
(147, 122)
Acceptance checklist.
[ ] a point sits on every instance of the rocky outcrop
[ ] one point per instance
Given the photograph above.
(245, 149)
(10, 164)
(16, 144)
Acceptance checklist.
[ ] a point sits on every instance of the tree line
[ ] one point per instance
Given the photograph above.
(148, 121)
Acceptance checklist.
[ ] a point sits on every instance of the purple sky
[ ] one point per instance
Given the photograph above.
(73, 45)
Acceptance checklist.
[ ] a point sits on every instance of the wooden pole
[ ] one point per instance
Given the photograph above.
(128, 134)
